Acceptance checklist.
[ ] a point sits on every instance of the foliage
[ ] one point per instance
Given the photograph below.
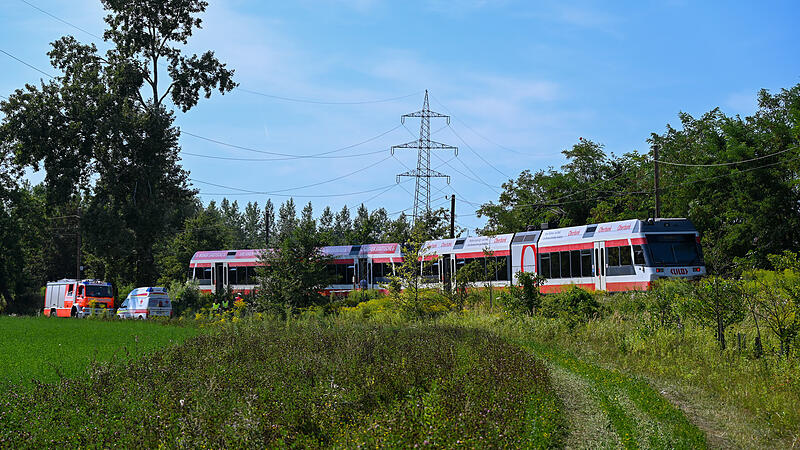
(314, 385)
(573, 306)
(294, 275)
(524, 297)
(718, 303)
(406, 286)
(774, 298)
(186, 297)
(667, 301)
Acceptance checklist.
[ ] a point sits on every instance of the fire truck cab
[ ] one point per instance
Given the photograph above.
(77, 298)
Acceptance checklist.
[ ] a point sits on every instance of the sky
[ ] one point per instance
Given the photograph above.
(521, 80)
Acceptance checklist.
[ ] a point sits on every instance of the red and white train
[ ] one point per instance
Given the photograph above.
(614, 256)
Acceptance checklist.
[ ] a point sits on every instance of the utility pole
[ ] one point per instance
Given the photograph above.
(424, 145)
(452, 216)
(78, 233)
(656, 179)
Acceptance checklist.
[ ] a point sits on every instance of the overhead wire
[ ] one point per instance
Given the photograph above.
(25, 63)
(289, 156)
(250, 91)
(731, 163)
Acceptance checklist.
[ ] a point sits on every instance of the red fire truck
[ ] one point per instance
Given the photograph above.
(77, 298)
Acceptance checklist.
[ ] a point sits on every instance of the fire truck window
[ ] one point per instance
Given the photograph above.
(70, 289)
(638, 255)
(575, 256)
(80, 290)
(613, 256)
(586, 263)
(625, 256)
(544, 265)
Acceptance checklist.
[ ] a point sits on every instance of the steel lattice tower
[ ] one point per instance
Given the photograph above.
(424, 145)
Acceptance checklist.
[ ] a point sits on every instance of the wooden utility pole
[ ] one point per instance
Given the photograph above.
(656, 179)
(452, 216)
(78, 233)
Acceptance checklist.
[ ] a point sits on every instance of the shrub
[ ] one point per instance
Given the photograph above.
(573, 306)
(185, 296)
(524, 298)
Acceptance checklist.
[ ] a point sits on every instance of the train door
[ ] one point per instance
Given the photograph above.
(446, 271)
(219, 277)
(600, 266)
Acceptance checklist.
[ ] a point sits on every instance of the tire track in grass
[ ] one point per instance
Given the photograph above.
(608, 389)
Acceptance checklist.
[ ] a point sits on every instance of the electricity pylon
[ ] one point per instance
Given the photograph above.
(423, 173)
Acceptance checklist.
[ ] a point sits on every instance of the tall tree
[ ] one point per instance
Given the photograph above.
(343, 227)
(326, 226)
(287, 220)
(94, 123)
(252, 226)
(270, 230)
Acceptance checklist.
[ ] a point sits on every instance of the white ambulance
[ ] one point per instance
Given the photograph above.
(146, 302)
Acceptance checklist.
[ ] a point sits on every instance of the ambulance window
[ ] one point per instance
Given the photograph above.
(124, 304)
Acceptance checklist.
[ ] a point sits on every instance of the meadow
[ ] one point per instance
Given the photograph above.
(311, 384)
(44, 350)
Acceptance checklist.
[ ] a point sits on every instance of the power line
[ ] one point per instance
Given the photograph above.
(286, 156)
(326, 102)
(250, 91)
(618, 194)
(298, 187)
(23, 62)
(478, 154)
(474, 131)
(726, 163)
(60, 19)
(247, 192)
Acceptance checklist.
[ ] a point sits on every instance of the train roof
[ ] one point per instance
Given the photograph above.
(472, 244)
(335, 251)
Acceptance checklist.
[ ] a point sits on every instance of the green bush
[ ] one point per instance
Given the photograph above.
(574, 306)
(186, 297)
(525, 297)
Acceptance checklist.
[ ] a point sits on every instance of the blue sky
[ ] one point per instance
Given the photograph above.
(522, 80)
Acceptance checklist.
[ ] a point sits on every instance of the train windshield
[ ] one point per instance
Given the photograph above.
(674, 250)
(98, 291)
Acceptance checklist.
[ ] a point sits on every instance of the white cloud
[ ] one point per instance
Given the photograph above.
(744, 103)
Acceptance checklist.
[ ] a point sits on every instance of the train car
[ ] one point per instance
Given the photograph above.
(236, 269)
(615, 256)
(493, 253)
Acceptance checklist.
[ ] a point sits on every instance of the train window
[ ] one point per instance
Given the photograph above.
(530, 237)
(544, 265)
(252, 275)
(575, 256)
(586, 263)
(518, 238)
(638, 255)
(613, 256)
(555, 264)
(232, 278)
(502, 268)
(565, 272)
(203, 276)
(625, 256)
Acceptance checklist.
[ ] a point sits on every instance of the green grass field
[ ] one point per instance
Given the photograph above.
(308, 385)
(48, 350)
